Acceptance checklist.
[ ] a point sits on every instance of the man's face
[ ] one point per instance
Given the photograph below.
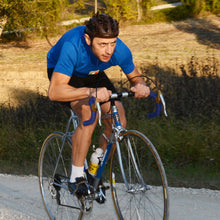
(102, 48)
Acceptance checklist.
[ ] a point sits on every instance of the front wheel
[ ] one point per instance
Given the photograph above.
(138, 180)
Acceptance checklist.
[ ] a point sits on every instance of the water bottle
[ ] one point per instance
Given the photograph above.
(95, 161)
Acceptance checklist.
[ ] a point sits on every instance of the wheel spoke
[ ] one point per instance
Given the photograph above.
(144, 196)
(58, 201)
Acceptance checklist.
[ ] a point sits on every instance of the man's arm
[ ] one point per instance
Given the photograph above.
(138, 84)
(60, 90)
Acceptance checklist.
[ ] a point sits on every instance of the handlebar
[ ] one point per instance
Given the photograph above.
(95, 106)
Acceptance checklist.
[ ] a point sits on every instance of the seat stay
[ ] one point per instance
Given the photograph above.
(74, 119)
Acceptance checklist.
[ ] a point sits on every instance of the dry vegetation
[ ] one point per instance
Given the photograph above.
(23, 64)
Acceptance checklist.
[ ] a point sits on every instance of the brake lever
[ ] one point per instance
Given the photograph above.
(164, 104)
(99, 113)
(93, 108)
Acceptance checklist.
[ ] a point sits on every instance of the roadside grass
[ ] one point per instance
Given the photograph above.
(188, 140)
(189, 149)
(23, 130)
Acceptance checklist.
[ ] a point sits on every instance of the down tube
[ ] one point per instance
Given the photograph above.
(102, 166)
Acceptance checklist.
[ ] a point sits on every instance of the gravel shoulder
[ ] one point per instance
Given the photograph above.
(20, 199)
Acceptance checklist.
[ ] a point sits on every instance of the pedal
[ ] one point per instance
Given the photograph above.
(57, 180)
(107, 187)
(86, 204)
(101, 194)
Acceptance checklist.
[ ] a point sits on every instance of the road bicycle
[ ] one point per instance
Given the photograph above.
(137, 180)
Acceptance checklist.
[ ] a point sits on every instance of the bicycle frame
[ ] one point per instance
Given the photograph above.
(117, 131)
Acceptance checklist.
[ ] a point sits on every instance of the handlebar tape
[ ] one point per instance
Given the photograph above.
(93, 113)
(158, 106)
(92, 101)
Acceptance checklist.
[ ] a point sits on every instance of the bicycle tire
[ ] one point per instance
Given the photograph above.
(146, 194)
(58, 202)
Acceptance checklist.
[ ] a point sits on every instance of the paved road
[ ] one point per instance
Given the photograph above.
(20, 200)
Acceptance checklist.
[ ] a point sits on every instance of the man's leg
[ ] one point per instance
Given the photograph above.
(106, 108)
(81, 140)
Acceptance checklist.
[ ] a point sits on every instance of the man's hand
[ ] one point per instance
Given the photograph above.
(140, 90)
(138, 84)
(102, 94)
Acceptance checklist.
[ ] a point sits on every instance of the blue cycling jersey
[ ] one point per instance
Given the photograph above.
(71, 55)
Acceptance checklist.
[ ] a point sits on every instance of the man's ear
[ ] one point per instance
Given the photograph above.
(87, 38)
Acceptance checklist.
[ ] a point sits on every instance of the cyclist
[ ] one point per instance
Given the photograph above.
(76, 65)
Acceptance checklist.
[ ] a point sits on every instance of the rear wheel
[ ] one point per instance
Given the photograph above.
(139, 189)
(54, 170)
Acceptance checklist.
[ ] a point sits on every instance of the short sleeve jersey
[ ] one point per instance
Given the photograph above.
(71, 55)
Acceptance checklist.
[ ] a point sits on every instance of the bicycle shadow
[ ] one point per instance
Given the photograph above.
(206, 32)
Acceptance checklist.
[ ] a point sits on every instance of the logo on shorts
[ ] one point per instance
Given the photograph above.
(94, 72)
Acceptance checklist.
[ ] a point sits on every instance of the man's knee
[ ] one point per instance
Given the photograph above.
(86, 114)
(122, 114)
(82, 109)
(123, 122)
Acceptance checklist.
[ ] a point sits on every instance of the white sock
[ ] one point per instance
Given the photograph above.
(76, 172)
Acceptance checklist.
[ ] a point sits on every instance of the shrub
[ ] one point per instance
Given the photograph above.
(195, 92)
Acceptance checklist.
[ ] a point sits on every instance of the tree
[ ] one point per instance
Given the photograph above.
(38, 14)
(121, 9)
(13, 13)
(125, 9)
(139, 9)
(47, 13)
(3, 21)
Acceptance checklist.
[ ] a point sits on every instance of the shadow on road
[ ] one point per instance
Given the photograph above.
(206, 32)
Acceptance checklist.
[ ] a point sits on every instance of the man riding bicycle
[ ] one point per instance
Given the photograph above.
(76, 67)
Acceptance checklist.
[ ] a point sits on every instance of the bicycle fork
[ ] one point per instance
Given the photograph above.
(118, 136)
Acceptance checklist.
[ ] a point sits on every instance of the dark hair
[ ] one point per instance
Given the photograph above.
(101, 25)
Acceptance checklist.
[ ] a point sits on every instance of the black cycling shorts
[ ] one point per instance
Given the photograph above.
(93, 81)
